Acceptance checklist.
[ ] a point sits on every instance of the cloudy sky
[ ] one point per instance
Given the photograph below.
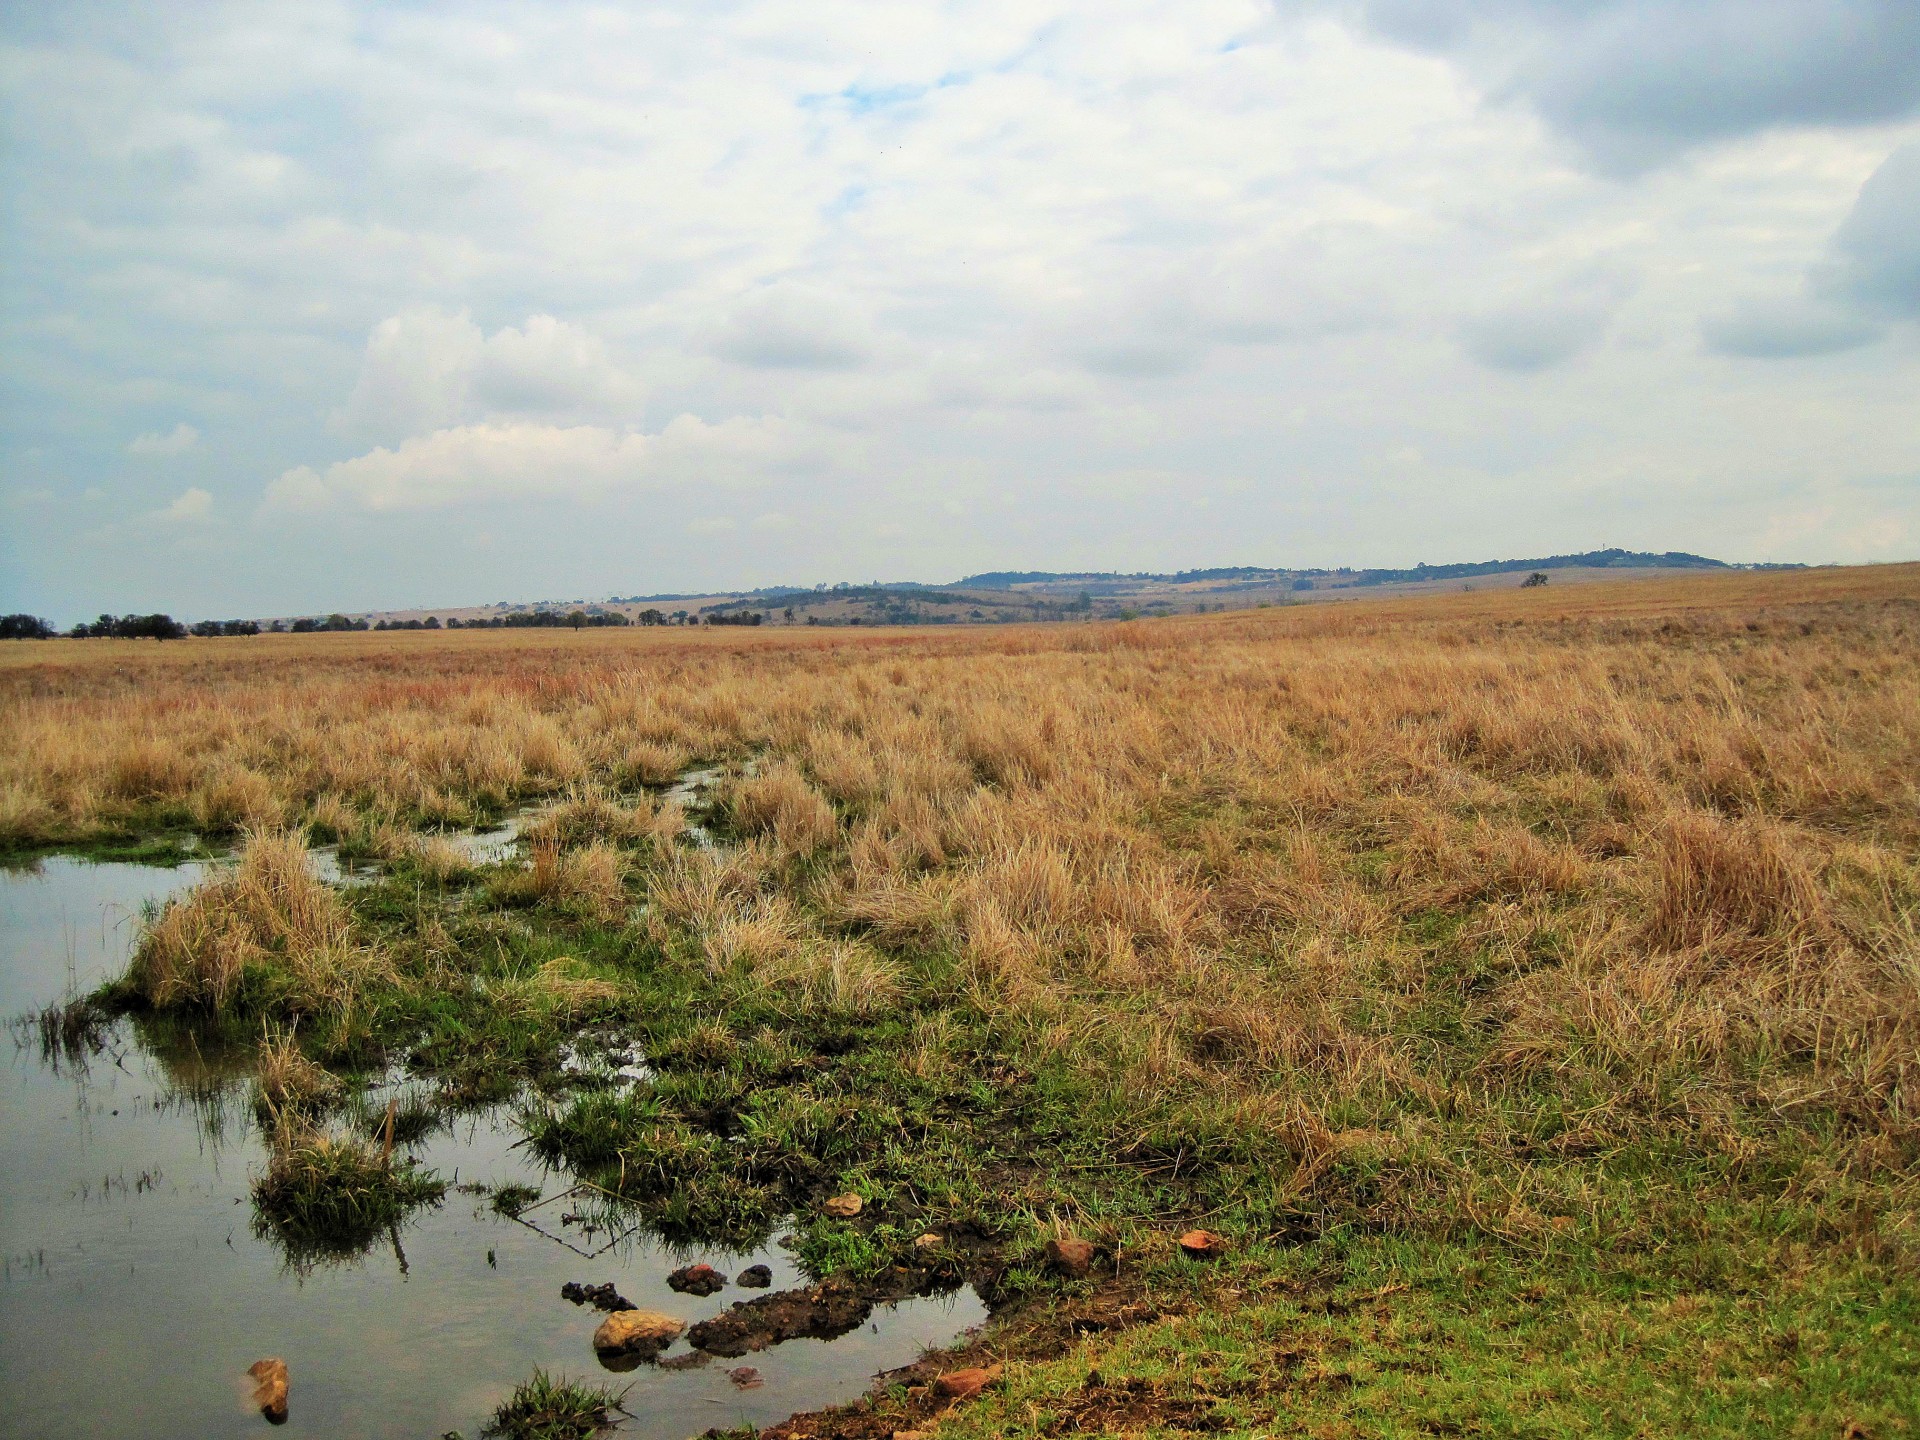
(323, 305)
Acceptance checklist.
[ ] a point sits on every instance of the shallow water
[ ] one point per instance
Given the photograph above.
(134, 1293)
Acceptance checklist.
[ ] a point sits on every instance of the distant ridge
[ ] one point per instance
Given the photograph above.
(1590, 559)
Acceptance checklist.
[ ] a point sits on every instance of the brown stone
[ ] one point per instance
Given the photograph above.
(929, 1241)
(745, 1377)
(636, 1332)
(1070, 1255)
(697, 1280)
(843, 1207)
(963, 1384)
(1203, 1244)
(270, 1388)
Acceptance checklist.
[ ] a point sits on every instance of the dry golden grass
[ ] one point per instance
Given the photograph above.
(199, 951)
(1672, 825)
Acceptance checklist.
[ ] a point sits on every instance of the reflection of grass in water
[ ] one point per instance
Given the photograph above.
(325, 1196)
(546, 1408)
(204, 1069)
(69, 1033)
(511, 1199)
(414, 1118)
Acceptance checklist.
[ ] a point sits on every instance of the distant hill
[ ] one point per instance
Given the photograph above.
(1008, 596)
(1591, 559)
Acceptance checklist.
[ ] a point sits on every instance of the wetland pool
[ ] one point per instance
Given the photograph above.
(134, 1291)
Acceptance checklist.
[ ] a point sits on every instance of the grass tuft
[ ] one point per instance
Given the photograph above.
(550, 1408)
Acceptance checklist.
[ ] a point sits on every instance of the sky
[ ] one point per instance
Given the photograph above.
(317, 306)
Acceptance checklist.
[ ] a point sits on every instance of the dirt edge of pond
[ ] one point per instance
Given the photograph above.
(1037, 1329)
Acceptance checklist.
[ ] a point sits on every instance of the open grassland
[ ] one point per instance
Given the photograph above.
(1526, 983)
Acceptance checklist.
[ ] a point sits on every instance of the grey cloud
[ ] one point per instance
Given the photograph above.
(1633, 82)
(1529, 339)
(1781, 329)
(787, 326)
(1547, 324)
(1877, 249)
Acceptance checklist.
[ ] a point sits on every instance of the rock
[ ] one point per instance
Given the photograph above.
(755, 1277)
(692, 1360)
(745, 1377)
(929, 1241)
(601, 1297)
(697, 1280)
(1070, 1256)
(843, 1207)
(1203, 1244)
(636, 1332)
(962, 1384)
(270, 1388)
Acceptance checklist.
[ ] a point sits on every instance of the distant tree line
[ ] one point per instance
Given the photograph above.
(129, 627)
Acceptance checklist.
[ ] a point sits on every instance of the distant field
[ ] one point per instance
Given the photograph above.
(1526, 983)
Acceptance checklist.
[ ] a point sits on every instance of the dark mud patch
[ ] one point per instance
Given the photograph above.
(821, 1312)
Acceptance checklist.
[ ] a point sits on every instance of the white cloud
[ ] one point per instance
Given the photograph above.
(189, 507)
(177, 441)
(976, 254)
(528, 460)
(426, 369)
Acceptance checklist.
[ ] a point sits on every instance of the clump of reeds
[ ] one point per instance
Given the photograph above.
(831, 976)
(780, 803)
(440, 860)
(550, 1408)
(264, 934)
(591, 880)
(235, 797)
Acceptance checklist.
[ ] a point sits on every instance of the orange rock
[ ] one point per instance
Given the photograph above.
(270, 1388)
(929, 1241)
(1203, 1244)
(1070, 1256)
(962, 1384)
(636, 1332)
(843, 1207)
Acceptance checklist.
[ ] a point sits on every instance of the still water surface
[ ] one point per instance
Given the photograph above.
(134, 1294)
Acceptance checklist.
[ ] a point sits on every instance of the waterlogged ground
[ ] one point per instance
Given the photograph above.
(134, 1293)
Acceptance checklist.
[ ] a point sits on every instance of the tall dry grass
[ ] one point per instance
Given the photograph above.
(1626, 836)
(265, 921)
